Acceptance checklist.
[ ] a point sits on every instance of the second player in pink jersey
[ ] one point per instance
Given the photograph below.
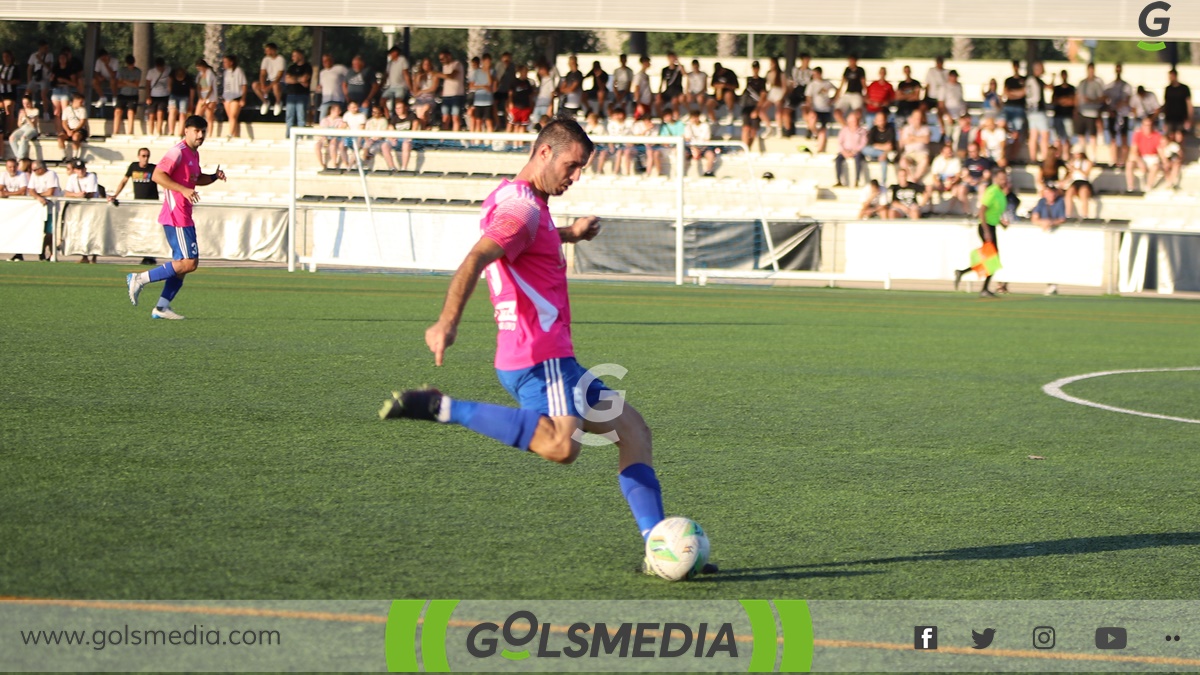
(520, 253)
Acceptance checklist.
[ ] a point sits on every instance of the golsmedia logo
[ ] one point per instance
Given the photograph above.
(1154, 22)
(580, 639)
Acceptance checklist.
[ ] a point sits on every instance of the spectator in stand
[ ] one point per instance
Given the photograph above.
(332, 82)
(43, 186)
(377, 122)
(297, 80)
(1173, 155)
(962, 136)
(881, 143)
(993, 137)
(772, 104)
(798, 92)
(520, 100)
(1148, 144)
(362, 87)
(820, 107)
(1145, 104)
(1118, 98)
(945, 174)
(671, 126)
(992, 105)
(14, 181)
(597, 96)
(27, 128)
(570, 90)
(1177, 104)
(142, 174)
(594, 126)
(908, 95)
(8, 91)
(695, 96)
(725, 86)
(181, 101)
(936, 79)
(1090, 101)
(645, 127)
(355, 120)
(270, 80)
(1081, 184)
(66, 80)
(643, 95)
(619, 124)
(399, 79)
(874, 202)
(74, 128)
(506, 77)
(38, 76)
(331, 147)
(880, 94)
(547, 90)
(1035, 112)
(850, 93)
(852, 139)
(914, 140)
(1014, 110)
(1050, 171)
(158, 95)
(622, 83)
(1064, 113)
(670, 87)
(402, 120)
(954, 104)
(425, 84)
(752, 97)
(976, 174)
(697, 132)
(907, 197)
(206, 93)
(1051, 210)
(81, 184)
(483, 86)
(233, 93)
(104, 78)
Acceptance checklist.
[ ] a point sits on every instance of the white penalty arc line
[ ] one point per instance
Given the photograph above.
(1055, 390)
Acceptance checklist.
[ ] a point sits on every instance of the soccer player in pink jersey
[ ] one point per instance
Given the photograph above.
(178, 172)
(520, 252)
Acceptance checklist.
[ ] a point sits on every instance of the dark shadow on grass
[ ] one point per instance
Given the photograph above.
(777, 573)
(1033, 549)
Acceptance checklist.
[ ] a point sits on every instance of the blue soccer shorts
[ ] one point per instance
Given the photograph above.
(556, 387)
(182, 241)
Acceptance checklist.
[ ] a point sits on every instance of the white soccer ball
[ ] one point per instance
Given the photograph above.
(677, 549)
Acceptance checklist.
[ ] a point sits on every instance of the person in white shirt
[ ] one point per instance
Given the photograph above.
(454, 90)
(594, 126)
(43, 186)
(695, 93)
(399, 79)
(1118, 96)
(946, 173)
(332, 81)
(331, 147)
(27, 128)
(206, 93)
(697, 132)
(74, 127)
(483, 85)
(270, 79)
(1145, 104)
(233, 93)
(643, 95)
(622, 83)
(158, 95)
(38, 75)
(356, 120)
(104, 77)
(14, 181)
(547, 90)
(936, 79)
(619, 124)
(82, 184)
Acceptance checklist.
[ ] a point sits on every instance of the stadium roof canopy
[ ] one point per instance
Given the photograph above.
(1100, 19)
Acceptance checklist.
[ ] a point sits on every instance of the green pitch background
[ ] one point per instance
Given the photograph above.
(835, 444)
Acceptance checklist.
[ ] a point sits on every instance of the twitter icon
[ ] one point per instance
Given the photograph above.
(983, 640)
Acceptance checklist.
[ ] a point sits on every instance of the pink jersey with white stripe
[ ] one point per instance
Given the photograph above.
(182, 164)
(528, 283)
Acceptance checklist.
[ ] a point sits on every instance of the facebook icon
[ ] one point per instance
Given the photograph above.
(925, 637)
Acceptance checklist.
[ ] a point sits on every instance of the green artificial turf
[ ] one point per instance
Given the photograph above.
(835, 444)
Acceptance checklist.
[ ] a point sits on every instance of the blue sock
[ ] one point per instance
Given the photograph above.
(162, 272)
(640, 486)
(510, 426)
(170, 289)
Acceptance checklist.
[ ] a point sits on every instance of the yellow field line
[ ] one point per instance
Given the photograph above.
(1049, 655)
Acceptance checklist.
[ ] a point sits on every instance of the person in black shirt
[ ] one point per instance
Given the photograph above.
(1063, 103)
(1177, 104)
(181, 101)
(976, 174)
(144, 187)
(599, 91)
(850, 93)
(906, 199)
(1014, 108)
(504, 84)
(908, 95)
(724, 85)
(670, 89)
(296, 83)
(520, 100)
(881, 143)
(755, 86)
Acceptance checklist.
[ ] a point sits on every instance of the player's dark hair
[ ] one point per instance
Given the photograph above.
(195, 122)
(560, 134)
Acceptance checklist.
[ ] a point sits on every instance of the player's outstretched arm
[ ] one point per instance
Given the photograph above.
(583, 229)
(441, 335)
(210, 178)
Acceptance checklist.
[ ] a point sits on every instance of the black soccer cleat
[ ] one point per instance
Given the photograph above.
(414, 404)
(710, 568)
(958, 275)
